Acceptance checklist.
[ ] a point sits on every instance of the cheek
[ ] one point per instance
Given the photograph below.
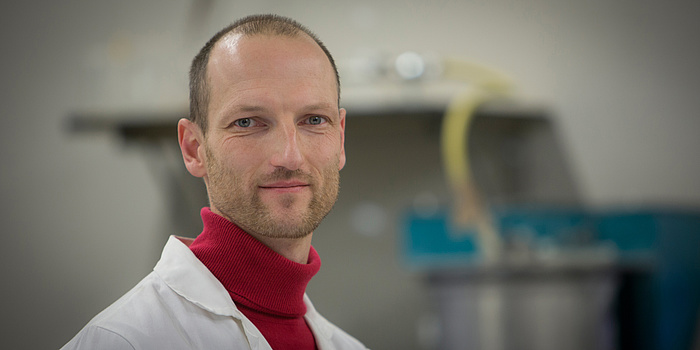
(331, 147)
(329, 163)
(231, 164)
(243, 169)
(323, 156)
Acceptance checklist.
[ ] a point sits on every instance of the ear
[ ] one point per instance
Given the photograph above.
(191, 144)
(341, 163)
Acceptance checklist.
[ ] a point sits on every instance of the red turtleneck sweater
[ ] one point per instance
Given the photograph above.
(265, 286)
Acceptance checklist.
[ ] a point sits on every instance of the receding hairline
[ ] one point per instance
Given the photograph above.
(298, 34)
(271, 26)
(238, 35)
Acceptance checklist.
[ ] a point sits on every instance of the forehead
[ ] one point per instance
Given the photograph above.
(243, 61)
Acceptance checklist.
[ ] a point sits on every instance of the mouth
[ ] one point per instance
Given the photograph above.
(285, 186)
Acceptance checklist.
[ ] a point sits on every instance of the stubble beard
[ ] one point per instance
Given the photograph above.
(241, 204)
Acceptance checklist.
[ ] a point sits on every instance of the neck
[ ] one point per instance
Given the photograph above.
(294, 249)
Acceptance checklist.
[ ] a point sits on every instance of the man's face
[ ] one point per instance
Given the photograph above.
(274, 144)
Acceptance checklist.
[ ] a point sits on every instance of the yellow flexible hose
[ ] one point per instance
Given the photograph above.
(469, 209)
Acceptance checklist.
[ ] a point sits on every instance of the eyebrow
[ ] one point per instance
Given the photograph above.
(254, 108)
(323, 105)
(245, 108)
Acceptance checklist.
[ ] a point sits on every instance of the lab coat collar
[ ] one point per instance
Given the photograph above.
(319, 326)
(187, 276)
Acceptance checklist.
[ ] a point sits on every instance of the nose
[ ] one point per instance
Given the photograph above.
(286, 152)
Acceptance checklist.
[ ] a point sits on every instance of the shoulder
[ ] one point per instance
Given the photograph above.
(119, 323)
(154, 316)
(149, 299)
(180, 305)
(148, 312)
(96, 337)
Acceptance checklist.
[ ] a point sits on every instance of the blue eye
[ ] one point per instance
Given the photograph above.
(315, 120)
(243, 122)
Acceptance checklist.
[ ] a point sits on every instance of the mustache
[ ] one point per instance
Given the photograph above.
(281, 174)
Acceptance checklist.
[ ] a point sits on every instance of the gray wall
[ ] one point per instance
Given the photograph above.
(84, 217)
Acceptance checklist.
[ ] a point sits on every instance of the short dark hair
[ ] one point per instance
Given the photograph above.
(252, 25)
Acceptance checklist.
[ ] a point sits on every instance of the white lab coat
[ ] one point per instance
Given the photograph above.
(181, 305)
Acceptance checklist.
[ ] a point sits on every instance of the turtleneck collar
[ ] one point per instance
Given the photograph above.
(255, 275)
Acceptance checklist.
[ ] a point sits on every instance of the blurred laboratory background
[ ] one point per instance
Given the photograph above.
(520, 174)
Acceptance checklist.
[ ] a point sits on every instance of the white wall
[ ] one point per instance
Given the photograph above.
(83, 217)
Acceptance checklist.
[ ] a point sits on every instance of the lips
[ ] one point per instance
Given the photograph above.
(285, 186)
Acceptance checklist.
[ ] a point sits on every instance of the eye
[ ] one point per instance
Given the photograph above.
(243, 122)
(316, 120)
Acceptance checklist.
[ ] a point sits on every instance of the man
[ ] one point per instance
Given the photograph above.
(267, 136)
